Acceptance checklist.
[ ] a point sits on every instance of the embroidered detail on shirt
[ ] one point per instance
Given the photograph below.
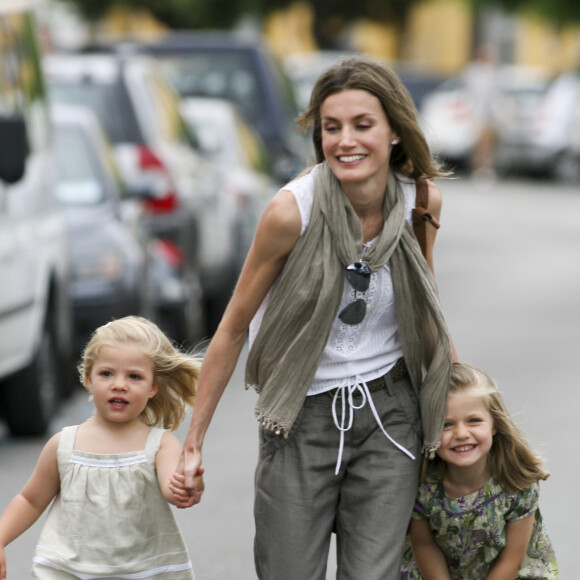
(107, 462)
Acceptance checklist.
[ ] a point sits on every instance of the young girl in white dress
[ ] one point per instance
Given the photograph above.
(477, 514)
(111, 477)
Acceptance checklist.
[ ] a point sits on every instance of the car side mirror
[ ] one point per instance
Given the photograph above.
(13, 148)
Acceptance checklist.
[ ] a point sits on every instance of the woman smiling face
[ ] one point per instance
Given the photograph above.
(356, 138)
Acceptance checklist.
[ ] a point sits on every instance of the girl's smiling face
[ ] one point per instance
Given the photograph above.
(468, 430)
(356, 137)
(121, 382)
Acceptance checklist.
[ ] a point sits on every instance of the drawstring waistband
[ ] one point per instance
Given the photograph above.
(345, 394)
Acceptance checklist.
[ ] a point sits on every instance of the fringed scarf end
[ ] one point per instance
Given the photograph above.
(249, 386)
(272, 425)
(429, 450)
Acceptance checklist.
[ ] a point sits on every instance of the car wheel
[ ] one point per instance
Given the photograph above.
(184, 322)
(193, 327)
(567, 168)
(31, 395)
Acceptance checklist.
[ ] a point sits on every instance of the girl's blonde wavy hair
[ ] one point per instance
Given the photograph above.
(511, 460)
(175, 372)
(411, 156)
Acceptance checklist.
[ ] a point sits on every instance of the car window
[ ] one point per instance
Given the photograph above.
(288, 94)
(78, 179)
(225, 74)
(109, 103)
(160, 107)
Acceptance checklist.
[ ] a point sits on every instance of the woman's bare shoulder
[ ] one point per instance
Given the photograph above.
(281, 222)
(435, 202)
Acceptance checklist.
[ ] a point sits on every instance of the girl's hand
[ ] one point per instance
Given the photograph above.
(187, 496)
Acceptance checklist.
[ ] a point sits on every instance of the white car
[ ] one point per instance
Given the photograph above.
(36, 366)
(231, 143)
(449, 122)
(540, 132)
(453, 126)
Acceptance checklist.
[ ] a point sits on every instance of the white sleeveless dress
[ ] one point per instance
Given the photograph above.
(110, 519)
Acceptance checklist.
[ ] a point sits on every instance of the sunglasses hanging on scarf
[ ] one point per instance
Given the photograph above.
(358, 275)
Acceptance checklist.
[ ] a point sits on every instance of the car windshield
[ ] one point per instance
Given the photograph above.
(107, 104)
(78, 182)
(223, 74)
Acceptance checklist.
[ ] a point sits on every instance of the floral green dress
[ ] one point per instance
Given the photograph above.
(471, 531)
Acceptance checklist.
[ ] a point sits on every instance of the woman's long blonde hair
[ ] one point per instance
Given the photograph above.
(411, 156)
(511, 460)
(175, 372)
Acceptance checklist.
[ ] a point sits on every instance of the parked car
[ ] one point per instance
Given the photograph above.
(540, 128)
(452, 125)
(240, 69)
(159, 160)
(229, 141)
(109, 265)
(448, 120)
(36, 365)
(304, 69)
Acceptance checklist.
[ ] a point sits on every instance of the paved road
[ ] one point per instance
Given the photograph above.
(509, 279)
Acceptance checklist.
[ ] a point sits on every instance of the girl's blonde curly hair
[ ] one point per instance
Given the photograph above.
(175, 372)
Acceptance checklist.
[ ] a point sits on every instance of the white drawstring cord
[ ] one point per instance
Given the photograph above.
(344, 391)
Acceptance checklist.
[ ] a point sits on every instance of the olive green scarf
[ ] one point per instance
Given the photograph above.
(295, 329)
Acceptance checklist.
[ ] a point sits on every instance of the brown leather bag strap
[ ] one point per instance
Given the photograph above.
(422, 217)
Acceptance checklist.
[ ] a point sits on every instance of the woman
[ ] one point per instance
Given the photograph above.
(338, 363)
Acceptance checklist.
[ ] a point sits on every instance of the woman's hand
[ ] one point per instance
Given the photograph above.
(2, 563)
(187, 483)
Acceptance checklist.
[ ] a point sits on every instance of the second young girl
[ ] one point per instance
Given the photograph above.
(477, 512)
(111, 477)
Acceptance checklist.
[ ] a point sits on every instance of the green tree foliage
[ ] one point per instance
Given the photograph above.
(177, 13)
(559, 12)
(331, 16)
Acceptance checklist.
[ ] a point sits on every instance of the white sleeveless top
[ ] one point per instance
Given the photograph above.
(359, 352)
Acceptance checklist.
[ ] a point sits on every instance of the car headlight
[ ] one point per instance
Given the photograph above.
(107, 265)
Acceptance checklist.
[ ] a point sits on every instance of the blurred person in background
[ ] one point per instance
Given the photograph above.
(349, 350)
(481, 84)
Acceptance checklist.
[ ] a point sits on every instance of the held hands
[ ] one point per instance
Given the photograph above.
(187, 482)
(185, 497)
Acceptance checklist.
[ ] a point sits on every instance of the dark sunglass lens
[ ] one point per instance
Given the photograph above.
(358, 275)
(354, 313)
